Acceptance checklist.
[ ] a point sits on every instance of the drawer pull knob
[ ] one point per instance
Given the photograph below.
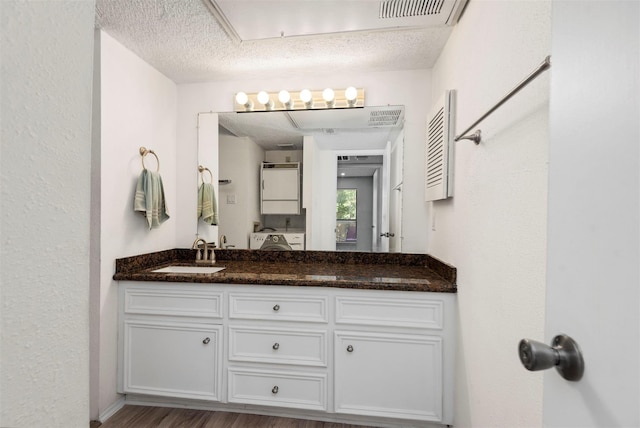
(276, 345)
(349, 348)
(206, 341)
(276, 308)
(275, 389)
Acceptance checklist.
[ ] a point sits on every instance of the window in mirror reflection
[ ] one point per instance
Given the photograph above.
(346, 219)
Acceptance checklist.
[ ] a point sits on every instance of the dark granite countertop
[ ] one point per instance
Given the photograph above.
(406, 272)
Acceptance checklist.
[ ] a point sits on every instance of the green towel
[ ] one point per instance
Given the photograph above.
(207, 206)
(149, 199)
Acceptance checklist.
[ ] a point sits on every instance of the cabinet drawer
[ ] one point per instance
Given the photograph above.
(281, 207)
(400, 312)
(184, 302)
(262, 345)
(272, 307)
(282, 389)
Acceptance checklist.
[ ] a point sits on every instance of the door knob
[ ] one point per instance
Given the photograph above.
(563, 353)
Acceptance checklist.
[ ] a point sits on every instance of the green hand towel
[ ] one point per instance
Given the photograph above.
(149, 199)
(207, 205)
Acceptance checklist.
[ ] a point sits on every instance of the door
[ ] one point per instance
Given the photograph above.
(172, 360)
(592, 285)
(388, 375)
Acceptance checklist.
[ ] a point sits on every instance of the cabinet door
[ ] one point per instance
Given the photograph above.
(280, 184)
(388, 375)
(172, 360)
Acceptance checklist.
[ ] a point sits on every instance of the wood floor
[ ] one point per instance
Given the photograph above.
(163, 417)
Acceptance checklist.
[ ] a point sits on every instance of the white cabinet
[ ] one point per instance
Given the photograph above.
(389, 375)
(170, 340)
(278, 343)
(389, 360)
(358, 356)
(280, 189)
(172, 359)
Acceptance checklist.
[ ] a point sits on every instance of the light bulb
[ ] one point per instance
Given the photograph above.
(305, 95)
(329, 97)
(263, 98)
(242, 98)
(351, 94)
(285, 98)
(306, 98)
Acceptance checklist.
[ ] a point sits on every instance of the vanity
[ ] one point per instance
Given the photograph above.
(363, 338)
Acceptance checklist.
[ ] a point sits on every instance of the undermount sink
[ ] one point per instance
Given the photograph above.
(189, 269)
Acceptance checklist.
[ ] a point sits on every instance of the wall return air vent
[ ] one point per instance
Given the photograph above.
(439, 149)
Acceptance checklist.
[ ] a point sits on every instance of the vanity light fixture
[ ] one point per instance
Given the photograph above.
(305, 99)
(243, 99)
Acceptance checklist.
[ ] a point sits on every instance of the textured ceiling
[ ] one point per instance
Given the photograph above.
(182, 40)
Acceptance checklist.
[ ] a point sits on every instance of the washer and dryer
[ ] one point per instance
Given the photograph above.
(277, 241)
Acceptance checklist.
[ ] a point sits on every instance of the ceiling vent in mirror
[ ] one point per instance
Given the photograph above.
(384, 117)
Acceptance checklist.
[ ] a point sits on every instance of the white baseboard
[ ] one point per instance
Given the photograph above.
(112, 409)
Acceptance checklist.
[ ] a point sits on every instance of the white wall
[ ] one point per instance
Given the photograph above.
(409, 88)
(138, 108)
(494, 228)
(242, 160)
(47, 51)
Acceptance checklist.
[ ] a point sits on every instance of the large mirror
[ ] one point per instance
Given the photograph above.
(343, 165)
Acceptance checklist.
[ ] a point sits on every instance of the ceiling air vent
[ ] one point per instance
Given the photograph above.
(384, 117)
(439, 149)
(407, 8)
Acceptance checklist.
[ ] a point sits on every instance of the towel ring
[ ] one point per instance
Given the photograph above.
(144, 152)
(202, 170)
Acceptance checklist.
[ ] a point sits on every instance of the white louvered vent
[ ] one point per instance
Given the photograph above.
(384, 117)
(439, 149)
(406, 8)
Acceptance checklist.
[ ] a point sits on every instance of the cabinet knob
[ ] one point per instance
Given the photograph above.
(276, 308)
(206, 340)
(349, 348)
(276, 345)
(275, 389)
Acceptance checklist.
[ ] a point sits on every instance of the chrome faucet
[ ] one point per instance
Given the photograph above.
(204, 253)
(223, 240)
